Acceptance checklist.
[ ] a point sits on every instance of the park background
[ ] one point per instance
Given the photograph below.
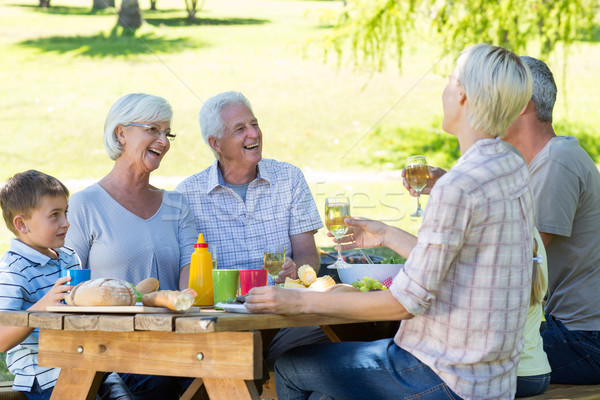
(347, 125)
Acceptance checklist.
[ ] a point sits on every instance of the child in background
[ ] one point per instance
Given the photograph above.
(34, 207)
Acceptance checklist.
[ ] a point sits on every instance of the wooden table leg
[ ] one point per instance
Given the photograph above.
(226, 389)
(77, 384)
(330, 333)
(195, 391)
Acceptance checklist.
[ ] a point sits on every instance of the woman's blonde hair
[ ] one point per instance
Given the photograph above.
(497, 85)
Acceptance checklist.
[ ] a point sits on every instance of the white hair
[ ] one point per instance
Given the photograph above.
(211, 121)
(134, 107)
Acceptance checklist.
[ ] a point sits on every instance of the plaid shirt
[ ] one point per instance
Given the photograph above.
(278, 205)
(467, 281)
(26, 275)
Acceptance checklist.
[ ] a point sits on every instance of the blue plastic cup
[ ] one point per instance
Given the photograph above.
(77, 275)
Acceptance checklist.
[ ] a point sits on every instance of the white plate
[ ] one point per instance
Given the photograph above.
(233, 307)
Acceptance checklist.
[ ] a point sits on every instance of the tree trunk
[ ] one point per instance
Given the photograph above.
(102, 4)
(44, 3)
(130, 17)
(191, 9)
(153, 5)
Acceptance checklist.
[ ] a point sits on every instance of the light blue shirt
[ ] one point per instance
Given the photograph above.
(115, 243)
(278, 204)
(26, 275)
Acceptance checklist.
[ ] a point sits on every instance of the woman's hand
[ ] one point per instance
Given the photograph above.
(55, 295)
(364, 233)
(287, 269)
(272, 299)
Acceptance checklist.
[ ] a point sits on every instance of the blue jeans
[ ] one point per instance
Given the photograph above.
(156, 387)
(356, 370)
(112, 388)
(574, 356)
(532, 385)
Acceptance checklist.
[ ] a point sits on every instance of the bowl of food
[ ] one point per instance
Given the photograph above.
(383, 273)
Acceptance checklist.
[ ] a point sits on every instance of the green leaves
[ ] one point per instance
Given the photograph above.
(372, 27)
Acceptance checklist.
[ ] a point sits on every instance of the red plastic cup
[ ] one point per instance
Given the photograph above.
(250, 278)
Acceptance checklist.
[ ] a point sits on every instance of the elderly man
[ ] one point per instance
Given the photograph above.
(244, 203)
(566, 187)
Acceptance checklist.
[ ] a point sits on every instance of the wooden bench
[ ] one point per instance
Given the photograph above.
(6, 392)
(569, 392)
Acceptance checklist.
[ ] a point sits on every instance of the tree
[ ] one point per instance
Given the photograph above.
(103, 4)
(191, 7)
(372, 26)
(130, 16)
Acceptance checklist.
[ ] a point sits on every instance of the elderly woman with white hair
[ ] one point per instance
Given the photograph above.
(463, 293)
(123, 227)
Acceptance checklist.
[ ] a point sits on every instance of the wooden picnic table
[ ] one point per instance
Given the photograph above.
(222, 350)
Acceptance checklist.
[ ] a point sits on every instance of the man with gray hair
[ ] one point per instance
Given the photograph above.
(566, 187)
(244, 203)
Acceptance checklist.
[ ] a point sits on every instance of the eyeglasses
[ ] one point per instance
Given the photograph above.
(154, 131)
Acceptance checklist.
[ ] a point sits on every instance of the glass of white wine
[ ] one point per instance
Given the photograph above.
(273, 259)
(417, 174)
(336, 209)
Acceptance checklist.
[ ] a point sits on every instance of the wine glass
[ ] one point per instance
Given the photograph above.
(273, 259)
(336, 209)
(417, 174)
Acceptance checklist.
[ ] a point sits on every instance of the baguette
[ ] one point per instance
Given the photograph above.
(172, 299)
(102, 292)
(148, 285)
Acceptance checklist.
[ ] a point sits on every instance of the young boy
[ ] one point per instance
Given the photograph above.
(34, 207)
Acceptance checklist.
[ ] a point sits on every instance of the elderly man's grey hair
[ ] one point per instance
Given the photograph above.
(134, 107)
(544, 88)
(211, 121)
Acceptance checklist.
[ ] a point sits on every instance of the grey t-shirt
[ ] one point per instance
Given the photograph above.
(566, 186)
(116, 243)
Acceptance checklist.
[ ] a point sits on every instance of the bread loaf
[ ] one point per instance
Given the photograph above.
(102, 292)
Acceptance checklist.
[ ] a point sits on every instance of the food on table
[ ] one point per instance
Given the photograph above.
(367, 284)
(293, 283)
(307, 275)
(102, 292)
(172, 299)
(322, 283)
(148, 285)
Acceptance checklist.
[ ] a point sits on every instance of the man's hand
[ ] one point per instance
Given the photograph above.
(287, 269)
(55, 295)
(434, 174)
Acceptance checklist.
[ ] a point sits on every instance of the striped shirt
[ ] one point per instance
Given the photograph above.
(467, 281)
(278, 204)
(26, 275)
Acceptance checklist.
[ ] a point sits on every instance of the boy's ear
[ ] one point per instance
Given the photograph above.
(20, 225)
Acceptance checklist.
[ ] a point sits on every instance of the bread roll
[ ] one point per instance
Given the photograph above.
(102, 292)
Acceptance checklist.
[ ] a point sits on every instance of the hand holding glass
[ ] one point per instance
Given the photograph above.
(273, 260)
(417, 174)
(336, 209)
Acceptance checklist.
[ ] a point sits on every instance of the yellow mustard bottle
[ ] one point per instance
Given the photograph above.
(201, 273)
